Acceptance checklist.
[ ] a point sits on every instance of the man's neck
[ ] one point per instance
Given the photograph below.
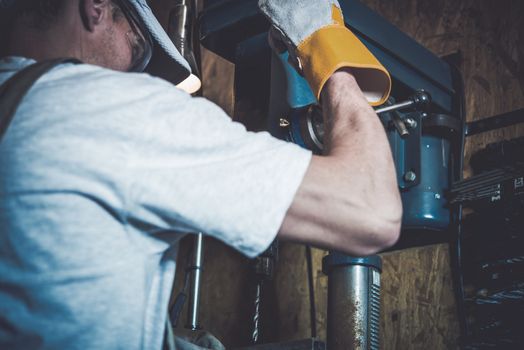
(39, 46)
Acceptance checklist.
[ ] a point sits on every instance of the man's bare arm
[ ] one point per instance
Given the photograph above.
(349, 199)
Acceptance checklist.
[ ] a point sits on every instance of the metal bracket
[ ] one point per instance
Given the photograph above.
(406, 151)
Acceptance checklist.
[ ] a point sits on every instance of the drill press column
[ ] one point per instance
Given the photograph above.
(353, 301)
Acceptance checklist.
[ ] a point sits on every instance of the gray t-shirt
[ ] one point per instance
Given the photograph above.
(101, 174)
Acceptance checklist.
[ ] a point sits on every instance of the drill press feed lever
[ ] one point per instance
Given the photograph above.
(419, 101)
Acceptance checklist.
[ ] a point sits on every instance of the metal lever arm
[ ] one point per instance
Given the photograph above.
(420, 99)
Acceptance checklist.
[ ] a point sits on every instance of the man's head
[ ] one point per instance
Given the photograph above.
(117, 34)
(102, 32)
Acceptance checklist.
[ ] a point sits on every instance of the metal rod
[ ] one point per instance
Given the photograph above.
(495, 122)
(419, 99)
(180, 30)
(394, 107)
(194, 294)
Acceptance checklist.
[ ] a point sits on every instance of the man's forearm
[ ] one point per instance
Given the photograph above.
(356, 138)
(348, 199)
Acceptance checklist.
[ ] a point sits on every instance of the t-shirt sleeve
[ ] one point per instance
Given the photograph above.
(195, 170)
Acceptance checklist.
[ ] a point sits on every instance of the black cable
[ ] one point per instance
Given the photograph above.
(457, 175)
(460, 277)
(457, 257)
(312, 306)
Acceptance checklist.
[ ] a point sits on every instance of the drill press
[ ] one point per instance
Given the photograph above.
(424, 122)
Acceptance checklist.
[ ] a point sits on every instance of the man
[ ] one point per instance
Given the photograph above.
(102, 171)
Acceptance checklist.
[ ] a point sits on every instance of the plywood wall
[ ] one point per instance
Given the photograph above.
(418, 307)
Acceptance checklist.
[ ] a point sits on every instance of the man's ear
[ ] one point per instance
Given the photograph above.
(93, 12)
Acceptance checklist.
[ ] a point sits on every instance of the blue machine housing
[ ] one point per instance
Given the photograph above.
(423, 199)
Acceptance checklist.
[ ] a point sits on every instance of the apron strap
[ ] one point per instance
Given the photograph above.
(15, 88)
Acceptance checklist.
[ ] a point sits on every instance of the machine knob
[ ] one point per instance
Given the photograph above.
(421, 98)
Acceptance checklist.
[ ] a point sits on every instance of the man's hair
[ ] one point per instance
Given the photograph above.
(38, 14)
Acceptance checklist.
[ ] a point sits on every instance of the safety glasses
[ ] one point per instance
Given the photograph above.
(139, 40)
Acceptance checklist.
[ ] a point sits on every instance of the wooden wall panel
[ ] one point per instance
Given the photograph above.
(418, 305)
(490, 36)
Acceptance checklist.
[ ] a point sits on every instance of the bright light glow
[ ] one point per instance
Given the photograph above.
(191, 84)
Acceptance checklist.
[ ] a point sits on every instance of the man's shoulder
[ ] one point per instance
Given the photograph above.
(88, 89)
(105, 80)
(82, 74)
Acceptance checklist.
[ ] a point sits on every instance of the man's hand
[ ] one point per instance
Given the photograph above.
(314, 33)
(348, 200)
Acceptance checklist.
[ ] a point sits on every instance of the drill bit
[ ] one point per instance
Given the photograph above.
(256, 316)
